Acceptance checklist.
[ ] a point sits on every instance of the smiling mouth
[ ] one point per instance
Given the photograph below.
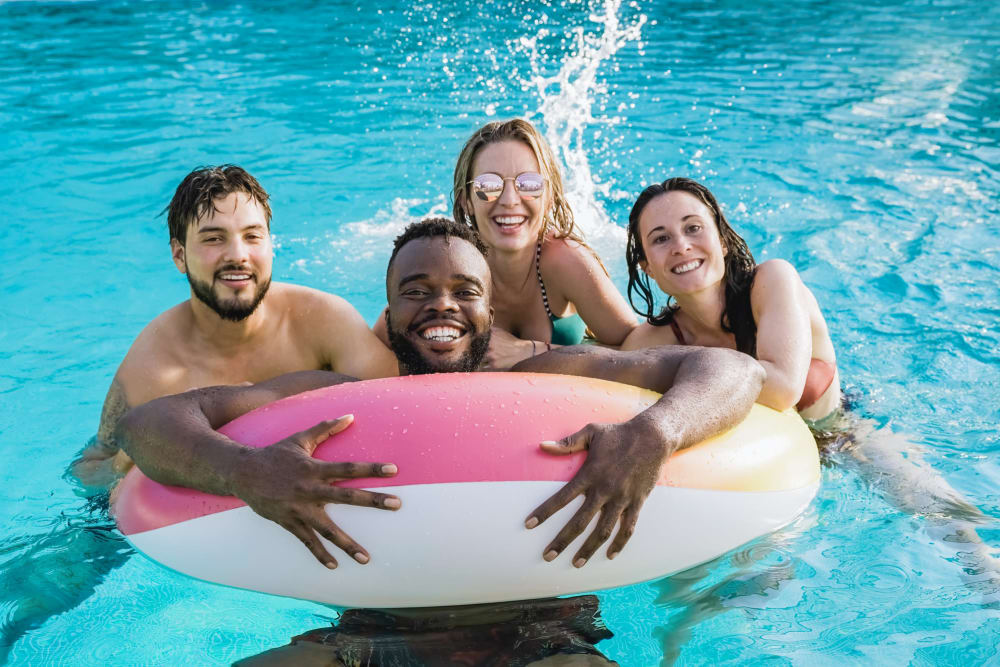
(509, 222)
(441, 334)
(687, 267)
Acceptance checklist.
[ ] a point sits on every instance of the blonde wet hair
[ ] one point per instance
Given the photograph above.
(557, 218)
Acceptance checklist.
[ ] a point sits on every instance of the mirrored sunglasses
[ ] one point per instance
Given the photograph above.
(489, 187)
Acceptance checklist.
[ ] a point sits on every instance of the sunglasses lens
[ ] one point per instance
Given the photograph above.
(487, 186)
(530, 184)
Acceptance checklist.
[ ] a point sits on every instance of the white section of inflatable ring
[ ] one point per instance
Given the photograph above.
(421, 555)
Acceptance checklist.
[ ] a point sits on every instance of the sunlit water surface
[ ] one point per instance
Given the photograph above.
(858, 140)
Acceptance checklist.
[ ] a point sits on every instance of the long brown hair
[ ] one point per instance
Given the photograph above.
(737, 317)
(558, 217)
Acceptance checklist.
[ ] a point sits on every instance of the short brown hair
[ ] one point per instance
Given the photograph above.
(197, 193)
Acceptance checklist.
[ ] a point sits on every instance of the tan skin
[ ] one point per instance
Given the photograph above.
(575, 281)
(435, 284)
(684, 255)
(189, 346)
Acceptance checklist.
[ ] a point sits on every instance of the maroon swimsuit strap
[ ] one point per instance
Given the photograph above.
(677, 332)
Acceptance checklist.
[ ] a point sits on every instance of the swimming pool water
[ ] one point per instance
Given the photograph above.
(860, 141)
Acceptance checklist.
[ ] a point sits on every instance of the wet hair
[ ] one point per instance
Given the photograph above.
(196, 196)
(557, 218)
(430, 228)
(737, 317)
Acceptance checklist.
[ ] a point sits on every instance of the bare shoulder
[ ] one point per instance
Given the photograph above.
(566, 255)
(145, 371)
(338, 332)
(776, 272)
(647, 335)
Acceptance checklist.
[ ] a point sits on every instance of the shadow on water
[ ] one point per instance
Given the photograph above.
(46, 574)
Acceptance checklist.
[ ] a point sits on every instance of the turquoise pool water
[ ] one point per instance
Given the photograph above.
(861, 141)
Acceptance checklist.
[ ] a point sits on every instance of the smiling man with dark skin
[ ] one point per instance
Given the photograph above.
(439, 314)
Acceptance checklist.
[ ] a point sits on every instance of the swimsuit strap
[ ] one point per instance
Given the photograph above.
(677, 332)
(538, 272)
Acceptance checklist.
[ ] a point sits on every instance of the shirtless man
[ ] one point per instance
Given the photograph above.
(439, 318)
(238, 326)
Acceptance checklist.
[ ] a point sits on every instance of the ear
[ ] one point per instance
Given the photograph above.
(491, 317)
(177, 252)
(725, 249)
(644, 265)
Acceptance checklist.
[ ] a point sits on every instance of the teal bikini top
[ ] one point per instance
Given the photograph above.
(568, 330)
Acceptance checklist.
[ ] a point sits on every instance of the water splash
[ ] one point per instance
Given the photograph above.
(566, 111)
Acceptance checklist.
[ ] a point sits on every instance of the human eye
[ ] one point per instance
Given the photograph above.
(660, 238)
(694, 228)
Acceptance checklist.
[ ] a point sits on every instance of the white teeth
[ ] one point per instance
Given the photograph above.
(235, 276)
(441, 334)
(689, 266)
(509, 219)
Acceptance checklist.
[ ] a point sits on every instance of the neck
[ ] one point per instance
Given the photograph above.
(511, 267)
(222, 333)
(703, 309)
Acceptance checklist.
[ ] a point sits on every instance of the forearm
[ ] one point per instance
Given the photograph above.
(780, 390)
(712, 391)
(173, 442)
(173, 439)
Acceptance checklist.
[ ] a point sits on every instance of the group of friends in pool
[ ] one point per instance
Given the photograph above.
(508, 283)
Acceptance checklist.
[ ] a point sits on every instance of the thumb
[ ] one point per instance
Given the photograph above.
(311, 438)
(569, 445)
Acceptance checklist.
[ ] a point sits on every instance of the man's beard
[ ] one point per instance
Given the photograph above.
(414, 363)
(233, 310)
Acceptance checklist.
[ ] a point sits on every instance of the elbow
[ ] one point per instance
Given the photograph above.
(779, 395)
(127, 428)
(747, 374)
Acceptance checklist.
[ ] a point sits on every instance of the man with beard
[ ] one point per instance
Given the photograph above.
(238, 326)
(439, 317)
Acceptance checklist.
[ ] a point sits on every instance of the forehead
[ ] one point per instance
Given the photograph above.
(236, 209)
(672, 207)
(439, 258)
(507, 158)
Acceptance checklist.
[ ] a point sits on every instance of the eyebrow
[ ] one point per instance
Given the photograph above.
(659, 227)
(207, 229)
(455, 276)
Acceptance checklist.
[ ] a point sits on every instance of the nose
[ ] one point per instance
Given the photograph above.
(442, 302)
(509, 196)
(679, 245)
(237, 251)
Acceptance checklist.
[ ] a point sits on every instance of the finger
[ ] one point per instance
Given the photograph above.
(313, 436)
(358, 497)
(569, 445)
(354, 469)
(571, 530)
(308, 537)
(602, 531)
(556, 502)
(322, 524)
(629, 518)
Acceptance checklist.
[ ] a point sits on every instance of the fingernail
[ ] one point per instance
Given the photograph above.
(330, 565)
(347, 416)
(550, 554)
(389, 469)
(361, 558)
(611, 556)
(579, 562)
(549, 442)
(392, 503)
(531, 523)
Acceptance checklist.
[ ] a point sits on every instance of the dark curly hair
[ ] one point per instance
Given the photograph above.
(197, 193)
(433, 228)
(740, 268)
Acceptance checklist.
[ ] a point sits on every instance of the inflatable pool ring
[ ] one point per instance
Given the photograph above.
(470, 473)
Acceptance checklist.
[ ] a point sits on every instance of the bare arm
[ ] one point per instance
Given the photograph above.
(96, 465)
(350, 346)
(784, 335)
(583, 281)
(173, 441)
(705, 391)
